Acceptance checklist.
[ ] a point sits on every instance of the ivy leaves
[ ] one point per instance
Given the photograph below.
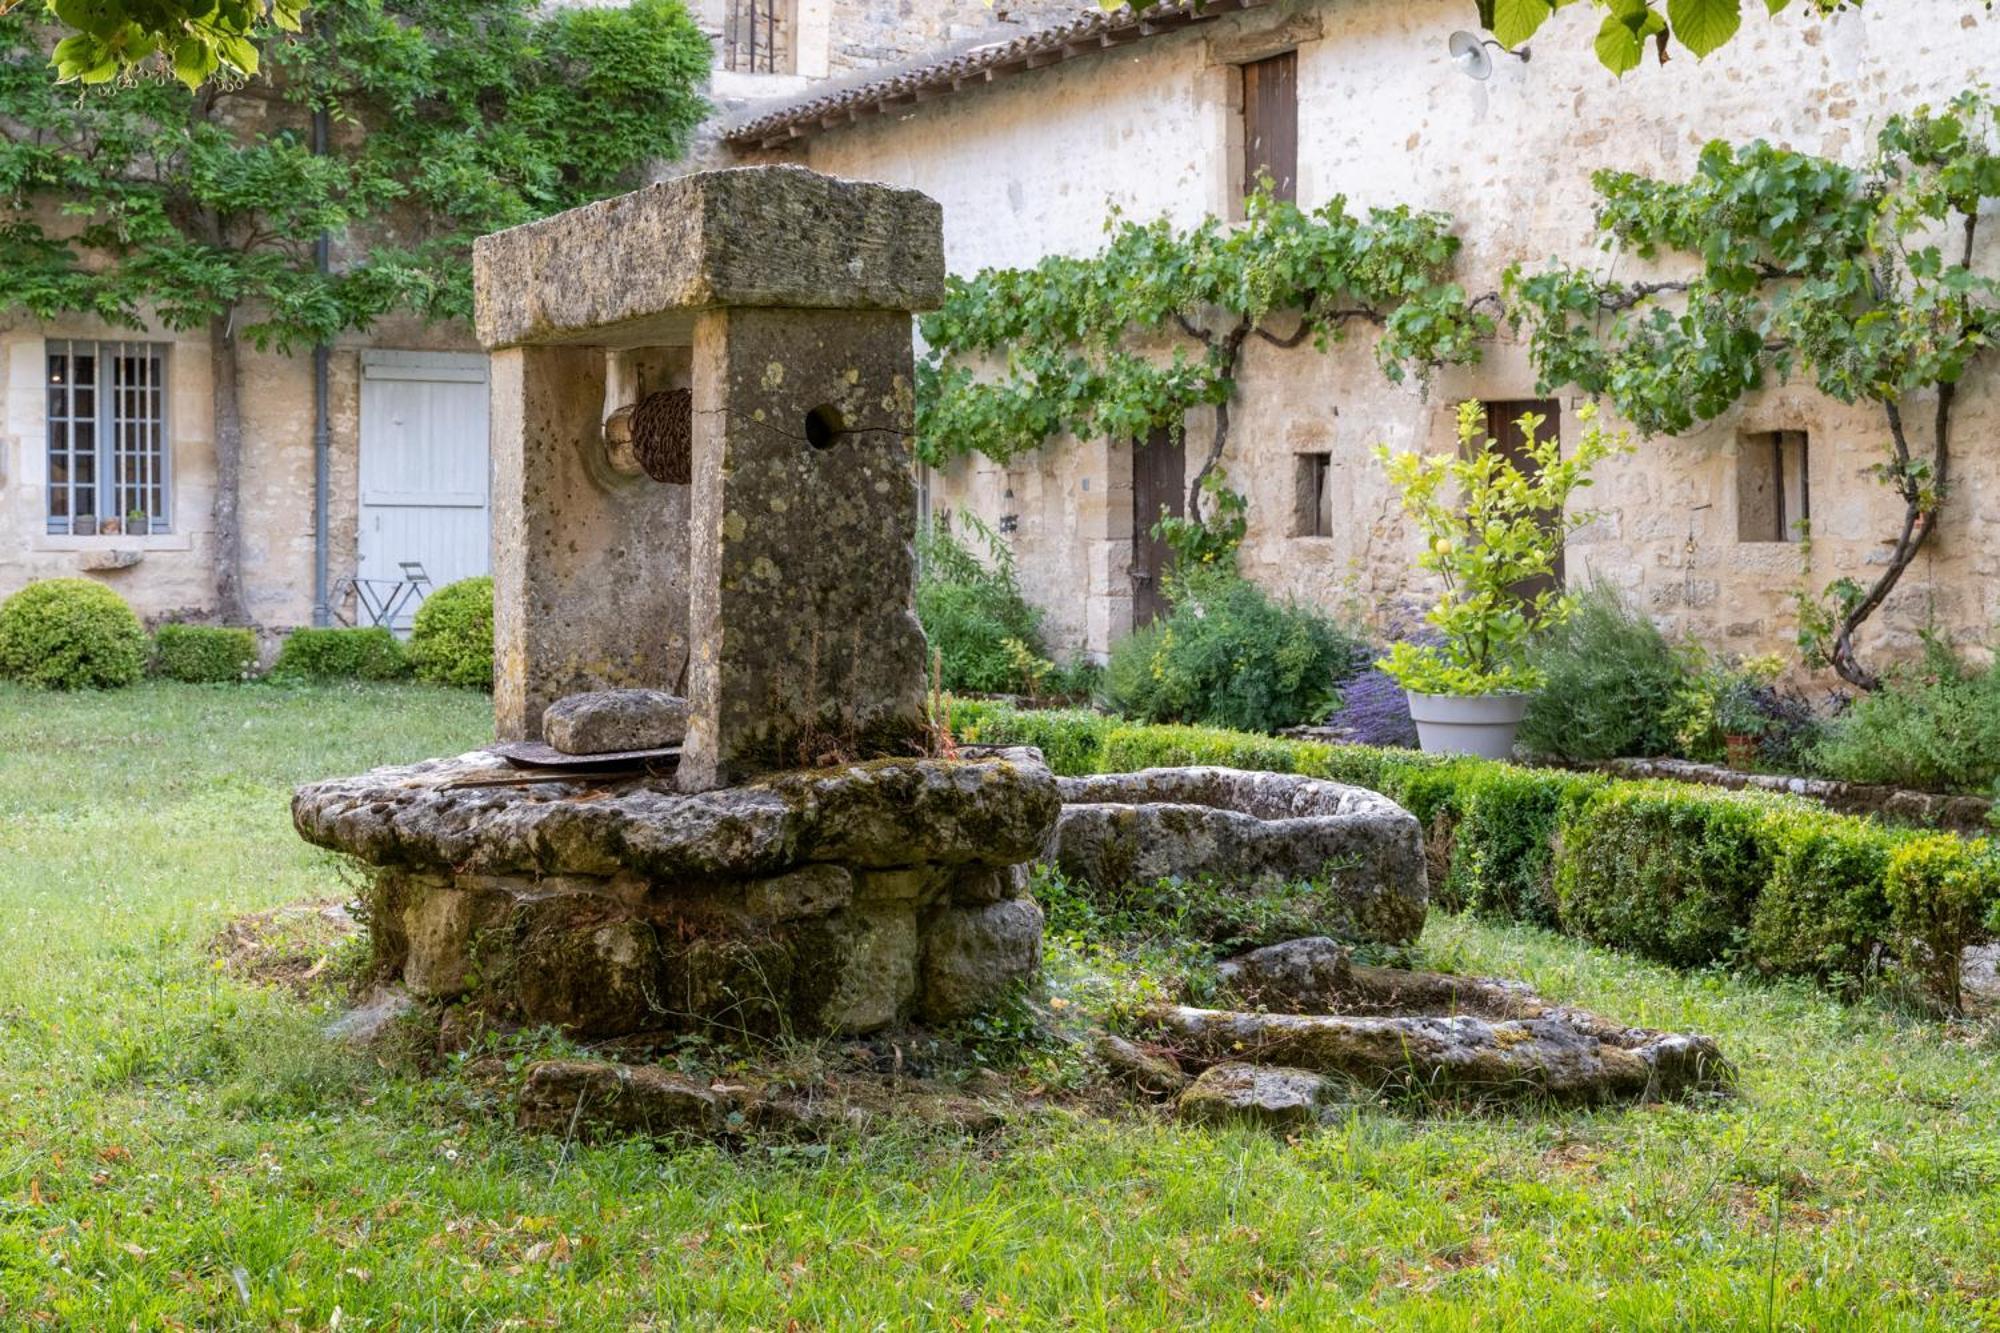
(452, 118)
(1134, 337)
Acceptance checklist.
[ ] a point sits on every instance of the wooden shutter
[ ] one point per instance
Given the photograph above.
(1271, 124)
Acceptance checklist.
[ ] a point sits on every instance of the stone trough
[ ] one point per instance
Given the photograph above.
(1239, 829)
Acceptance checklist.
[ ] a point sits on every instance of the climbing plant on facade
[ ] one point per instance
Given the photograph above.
(1869, 281)
(1134, 337)
(149, 205)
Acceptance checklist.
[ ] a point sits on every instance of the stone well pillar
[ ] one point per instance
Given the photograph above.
(795, 575)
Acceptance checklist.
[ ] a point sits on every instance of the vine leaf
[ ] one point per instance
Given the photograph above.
(1705, 25)
(1515, 21)
(1621, 41)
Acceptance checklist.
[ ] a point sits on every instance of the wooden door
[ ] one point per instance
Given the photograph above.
(1159, 483)
(1271, 125)
(424, 466)
(1503, 424)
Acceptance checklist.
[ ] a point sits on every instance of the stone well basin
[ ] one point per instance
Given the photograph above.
(1239, 828)
(835, 900)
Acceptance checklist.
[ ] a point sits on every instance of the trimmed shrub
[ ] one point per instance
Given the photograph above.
(1507, 827)
(370, 653)
(451, 640)
(1940, 891)
(70, 634)
(1823, 913)
(986, 636)
(1229, 656)
(203, 654)
(1684, 874)
(1608, 676)
(1936, 727)
(1669, 872)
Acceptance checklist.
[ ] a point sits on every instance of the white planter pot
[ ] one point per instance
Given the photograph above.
(1479, 724)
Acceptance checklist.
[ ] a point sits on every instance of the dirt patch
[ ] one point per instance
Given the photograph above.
(297, 946)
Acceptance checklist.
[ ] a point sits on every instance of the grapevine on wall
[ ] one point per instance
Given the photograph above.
(1870, 281)
(1132, 338)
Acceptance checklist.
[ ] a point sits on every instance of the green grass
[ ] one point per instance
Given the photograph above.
(166, 1131)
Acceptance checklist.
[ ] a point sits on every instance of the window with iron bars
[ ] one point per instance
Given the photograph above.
(108, 458)
(757, 37)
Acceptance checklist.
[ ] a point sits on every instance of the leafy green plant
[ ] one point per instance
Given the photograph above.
(1934, 725)
(70, 634)
(204, 654)
(1229, 655)
(367, 653)
(1719, 699)
(1699, 26)
(146, 205)
(986, 635)
(1070, 333)
(1607, 673)
(1869, 281)
(451, 638)
(1824, 912)
(1211, 540)
(1488, 524)
(1941, 890)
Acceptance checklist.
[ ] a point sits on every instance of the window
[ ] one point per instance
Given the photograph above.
(757, 37)
(107, 438)
(1773, 497)
(1271, 125)
(1312, 512)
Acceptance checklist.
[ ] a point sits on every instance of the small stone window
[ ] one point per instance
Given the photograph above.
(758, 37)
(1312, 507)
(1773, 494)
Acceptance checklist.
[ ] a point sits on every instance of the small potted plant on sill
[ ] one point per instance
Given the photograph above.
(135, 523)
(83, 525)
(1490, 526)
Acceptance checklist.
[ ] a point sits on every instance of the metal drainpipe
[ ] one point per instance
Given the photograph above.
(322, 613)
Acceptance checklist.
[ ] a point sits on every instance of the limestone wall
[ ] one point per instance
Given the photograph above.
(1031, 164)
(174, 574)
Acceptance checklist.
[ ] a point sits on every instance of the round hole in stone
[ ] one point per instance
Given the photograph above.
(823, 426)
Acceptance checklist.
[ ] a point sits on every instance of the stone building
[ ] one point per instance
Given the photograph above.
(406, 406)
(1030, 142)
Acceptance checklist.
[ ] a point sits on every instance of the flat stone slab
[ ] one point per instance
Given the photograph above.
(891, 812)
(630, 270)
(1318, 975)
(1564, 1056)
(1241, 828)
(600, 722)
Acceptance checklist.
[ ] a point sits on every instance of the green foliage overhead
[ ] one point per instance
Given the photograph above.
(70, 634)
(203, 654)
(1132, 338)
(451, 638)
(452, 118)
(191, 39)
(1868, 281)
(1698, 26)
(365, 653)
(1228, 655)
(1489, 525)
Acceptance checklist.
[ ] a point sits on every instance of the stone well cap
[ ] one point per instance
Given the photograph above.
(631, 270)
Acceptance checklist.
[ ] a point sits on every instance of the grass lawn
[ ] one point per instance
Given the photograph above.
(180, 1149)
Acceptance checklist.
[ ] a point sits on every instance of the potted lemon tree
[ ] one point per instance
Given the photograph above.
(1490, 525)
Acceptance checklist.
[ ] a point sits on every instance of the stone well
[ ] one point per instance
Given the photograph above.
(801, 861)
(838, 900)
(1239, 828)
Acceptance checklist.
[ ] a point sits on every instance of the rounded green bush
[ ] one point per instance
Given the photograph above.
(203, 654)
(69, 634)
(365, 653)
(451, 642)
